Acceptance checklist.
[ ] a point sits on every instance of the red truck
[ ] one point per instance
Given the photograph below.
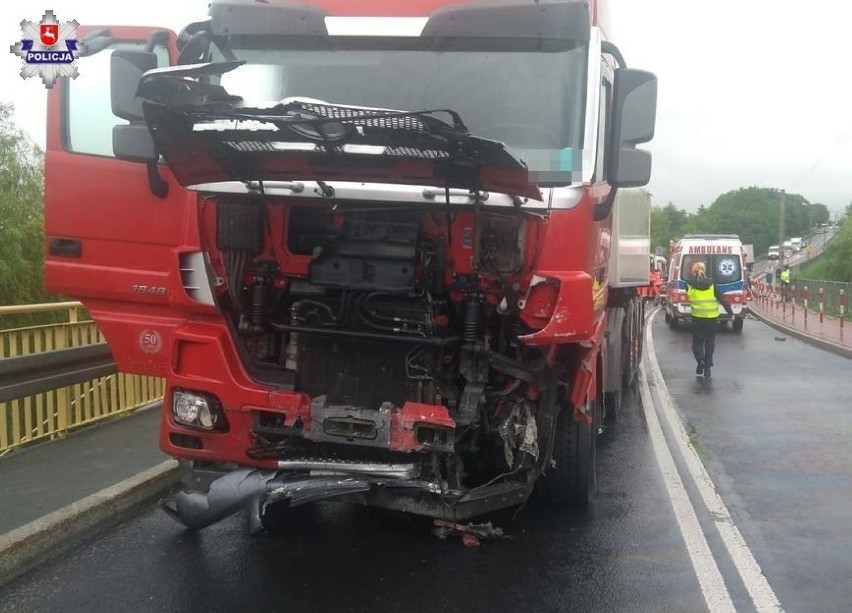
(382, 253)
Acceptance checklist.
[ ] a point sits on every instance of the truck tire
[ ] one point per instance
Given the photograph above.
(571, 481)
(612, 406)
(737, 325)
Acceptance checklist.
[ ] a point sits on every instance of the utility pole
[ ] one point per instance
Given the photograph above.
(781, 226)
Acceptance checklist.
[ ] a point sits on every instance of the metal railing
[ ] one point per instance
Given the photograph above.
(822, 296)
(60, 376)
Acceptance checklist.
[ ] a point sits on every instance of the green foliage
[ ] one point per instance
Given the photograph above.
(667, 223)
(751, 212)
(836, 263)
(819, 214)
(21, 216)
(818, 269)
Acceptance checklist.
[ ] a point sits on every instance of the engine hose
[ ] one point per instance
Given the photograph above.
(472, 320)
(258, 304)
(513, 368)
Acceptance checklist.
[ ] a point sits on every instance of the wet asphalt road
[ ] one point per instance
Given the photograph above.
(773, 427)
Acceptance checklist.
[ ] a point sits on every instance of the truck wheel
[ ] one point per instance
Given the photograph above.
(612, 406)
(571, 481)
(737, 325)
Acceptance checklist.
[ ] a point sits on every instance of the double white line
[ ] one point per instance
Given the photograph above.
(712, 584)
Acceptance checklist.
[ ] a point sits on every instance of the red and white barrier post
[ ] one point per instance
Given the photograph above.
(805, 302)
(842, 309)
(793, 303)
(821, 305)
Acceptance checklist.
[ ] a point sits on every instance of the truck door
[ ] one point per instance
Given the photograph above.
(108, 238)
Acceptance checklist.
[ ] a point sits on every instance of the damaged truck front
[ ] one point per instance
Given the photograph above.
(369, 252)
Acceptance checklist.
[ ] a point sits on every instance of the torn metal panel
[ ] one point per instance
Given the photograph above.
(519, 433)
(419, 427)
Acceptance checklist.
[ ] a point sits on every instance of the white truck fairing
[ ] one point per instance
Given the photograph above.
(631, 239)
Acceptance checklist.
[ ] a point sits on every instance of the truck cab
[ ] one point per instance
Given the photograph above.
(774, 252)
(371, 247)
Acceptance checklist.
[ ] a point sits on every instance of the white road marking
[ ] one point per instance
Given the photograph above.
(709, 578)
(755, 581)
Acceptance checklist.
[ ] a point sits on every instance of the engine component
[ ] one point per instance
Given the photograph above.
(500, 245)
(354, 372)
(258, 304)
(363, 273)
(369, 255)
(472, 398)
(239, 227)
(472, 320)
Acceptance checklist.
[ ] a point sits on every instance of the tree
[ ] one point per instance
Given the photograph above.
(667, 223)
(819, 214)
(753, 213)
(21, 215)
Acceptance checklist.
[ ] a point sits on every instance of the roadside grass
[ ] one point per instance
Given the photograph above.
(700, 448)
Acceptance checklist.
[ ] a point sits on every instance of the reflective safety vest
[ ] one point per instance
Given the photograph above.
(702, 302)
(784, 276)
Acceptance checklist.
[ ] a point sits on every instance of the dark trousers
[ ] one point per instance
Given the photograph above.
(703, 339)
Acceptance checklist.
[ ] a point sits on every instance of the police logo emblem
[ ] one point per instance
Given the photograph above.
(49, 49)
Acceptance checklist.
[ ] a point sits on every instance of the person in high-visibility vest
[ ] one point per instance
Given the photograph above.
(704, 300)
(784, 279)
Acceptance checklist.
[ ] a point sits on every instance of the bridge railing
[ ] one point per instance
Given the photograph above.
(59, 376)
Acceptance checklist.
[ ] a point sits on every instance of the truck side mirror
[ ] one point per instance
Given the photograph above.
(634, 118)
(133, 142)
(126, 68)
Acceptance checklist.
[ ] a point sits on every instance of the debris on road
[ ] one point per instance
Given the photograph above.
(471, 534)
(780, 338)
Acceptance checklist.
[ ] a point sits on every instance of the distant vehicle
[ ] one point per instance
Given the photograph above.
(748, 252)
(656, 280)
(723, 255)
(797, 244)
(774, 252)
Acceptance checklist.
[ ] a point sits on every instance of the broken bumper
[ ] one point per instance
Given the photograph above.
(298, 482)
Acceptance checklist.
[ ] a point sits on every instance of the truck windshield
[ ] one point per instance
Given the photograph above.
(524, 94)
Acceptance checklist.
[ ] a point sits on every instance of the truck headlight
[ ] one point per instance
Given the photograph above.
(197, 410)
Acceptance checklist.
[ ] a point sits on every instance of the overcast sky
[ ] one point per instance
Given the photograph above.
(751, 92)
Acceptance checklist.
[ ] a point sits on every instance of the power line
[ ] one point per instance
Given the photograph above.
(822, 157)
